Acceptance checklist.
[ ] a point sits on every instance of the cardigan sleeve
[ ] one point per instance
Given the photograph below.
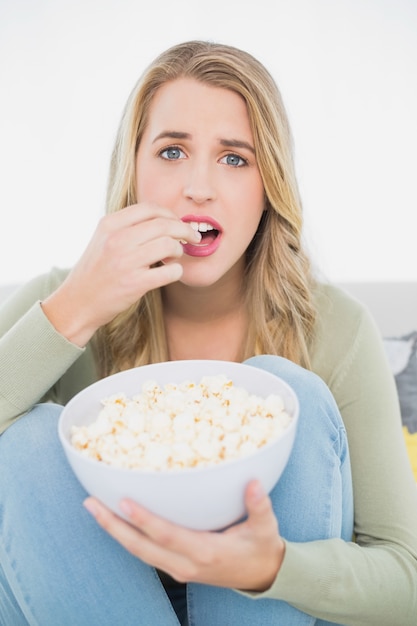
(33, 355)
(373, 579)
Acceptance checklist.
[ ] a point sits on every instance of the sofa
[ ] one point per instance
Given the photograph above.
(394, 308)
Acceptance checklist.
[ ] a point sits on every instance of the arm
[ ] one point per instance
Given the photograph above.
(33, 355)
(374, 580)
(45, 327)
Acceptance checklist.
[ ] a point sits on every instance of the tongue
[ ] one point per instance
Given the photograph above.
(208, 237)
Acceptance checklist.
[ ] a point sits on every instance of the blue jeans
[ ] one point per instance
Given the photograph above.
(59, 568)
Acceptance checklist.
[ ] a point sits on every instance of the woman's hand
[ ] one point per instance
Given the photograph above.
(246, 556)
(118, 267)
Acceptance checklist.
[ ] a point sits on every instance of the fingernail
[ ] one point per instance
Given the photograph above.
(126, 508)
(90, 506)
(258, 491)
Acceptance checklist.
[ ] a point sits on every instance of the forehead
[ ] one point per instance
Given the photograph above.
(189, 105)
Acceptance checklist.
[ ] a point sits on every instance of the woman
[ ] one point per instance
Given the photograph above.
(200, 256)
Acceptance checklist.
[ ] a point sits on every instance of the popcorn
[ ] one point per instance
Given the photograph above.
(181, 425)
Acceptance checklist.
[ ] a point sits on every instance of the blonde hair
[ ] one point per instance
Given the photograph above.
(278, 278)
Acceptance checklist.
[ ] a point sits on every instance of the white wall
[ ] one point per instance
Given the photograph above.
(347, 71)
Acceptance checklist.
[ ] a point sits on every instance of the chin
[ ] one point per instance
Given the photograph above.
(200, 277)
(198, 282)
(205, 274)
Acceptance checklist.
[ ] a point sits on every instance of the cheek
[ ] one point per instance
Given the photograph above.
(253, 205)
(252, 195)
(244, 230)
(149, 187)
(255, 214)
(145, 183)
(145, 191)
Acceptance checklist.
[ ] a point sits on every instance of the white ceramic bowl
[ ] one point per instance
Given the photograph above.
(206, 498)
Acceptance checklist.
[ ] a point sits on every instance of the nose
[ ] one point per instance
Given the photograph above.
(199, 185)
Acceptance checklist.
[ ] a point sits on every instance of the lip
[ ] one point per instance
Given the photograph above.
(202, 250)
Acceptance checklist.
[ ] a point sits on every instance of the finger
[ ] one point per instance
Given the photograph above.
(117, 527)
(129, 265)
(167, 534)
(153, 252)
(156, 219)
(184, 553)
(138, 543)
(157, 227)
(160, 276)
(258, 505)
(161, 234)
(138, 213)
(121, 530)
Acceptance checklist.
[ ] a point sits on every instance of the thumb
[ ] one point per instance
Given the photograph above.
(258, 504)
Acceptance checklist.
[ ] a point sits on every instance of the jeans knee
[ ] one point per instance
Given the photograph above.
(33, 433)
(295, 375)
(313, 394)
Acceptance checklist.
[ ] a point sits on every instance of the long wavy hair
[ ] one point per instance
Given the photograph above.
(278, 281)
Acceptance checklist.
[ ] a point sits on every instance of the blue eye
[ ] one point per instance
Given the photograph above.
(173, 153)
(234, 160)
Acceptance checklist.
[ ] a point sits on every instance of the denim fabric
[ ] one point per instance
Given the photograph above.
(59, 568)
(312, 500)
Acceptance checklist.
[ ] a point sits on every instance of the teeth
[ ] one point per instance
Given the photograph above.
(202, 227)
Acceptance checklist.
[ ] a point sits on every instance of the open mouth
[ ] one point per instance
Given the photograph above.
(211, 234)
(208, 232)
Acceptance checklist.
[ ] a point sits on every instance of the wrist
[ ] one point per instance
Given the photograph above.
(67, 318)
(272, 572)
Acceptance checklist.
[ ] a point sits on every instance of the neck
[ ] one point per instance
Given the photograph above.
(201, 305)
(199, 320)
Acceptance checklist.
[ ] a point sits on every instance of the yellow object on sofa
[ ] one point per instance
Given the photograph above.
(411, 443)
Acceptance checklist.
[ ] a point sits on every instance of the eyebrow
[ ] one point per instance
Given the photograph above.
(237, 143)
(172, 134)
(228, 143)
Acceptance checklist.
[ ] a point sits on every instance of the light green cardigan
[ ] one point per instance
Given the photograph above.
(370, 582)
